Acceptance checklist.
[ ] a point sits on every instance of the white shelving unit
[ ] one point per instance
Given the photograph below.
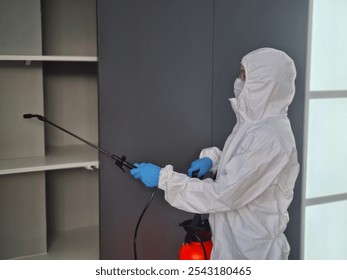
(48, 180)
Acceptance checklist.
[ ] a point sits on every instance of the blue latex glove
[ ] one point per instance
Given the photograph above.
(203, 165)
(148, 173)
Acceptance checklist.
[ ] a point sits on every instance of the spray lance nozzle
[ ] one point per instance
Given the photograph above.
(119, 161)
(30, 116)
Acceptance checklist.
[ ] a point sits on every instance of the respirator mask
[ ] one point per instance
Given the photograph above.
(238, 86)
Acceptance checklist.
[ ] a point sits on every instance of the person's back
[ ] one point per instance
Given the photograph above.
(254, 228)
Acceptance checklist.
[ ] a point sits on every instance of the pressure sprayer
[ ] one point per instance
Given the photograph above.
(197, 244)
(121, 162)
(198, 231)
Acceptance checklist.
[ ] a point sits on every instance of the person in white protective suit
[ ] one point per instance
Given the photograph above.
(256, 171)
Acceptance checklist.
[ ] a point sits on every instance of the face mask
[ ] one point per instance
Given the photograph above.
(238, 86)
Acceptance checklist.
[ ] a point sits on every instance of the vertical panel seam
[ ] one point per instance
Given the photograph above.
(212, 73)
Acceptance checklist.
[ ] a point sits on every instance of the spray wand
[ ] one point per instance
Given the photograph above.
(119, 161)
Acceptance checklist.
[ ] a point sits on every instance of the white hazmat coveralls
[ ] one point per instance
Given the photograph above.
(256, 171)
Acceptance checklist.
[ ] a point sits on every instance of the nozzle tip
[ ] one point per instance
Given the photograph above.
(27, 116)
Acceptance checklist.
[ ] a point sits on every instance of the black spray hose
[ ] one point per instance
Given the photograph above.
(195, 175)
(120, 162)
(202, 245)
(140, 219)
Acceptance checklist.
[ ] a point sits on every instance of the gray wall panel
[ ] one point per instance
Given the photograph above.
(155, 70)
(162, 99)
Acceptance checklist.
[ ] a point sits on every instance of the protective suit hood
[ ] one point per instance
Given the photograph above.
(269, 88)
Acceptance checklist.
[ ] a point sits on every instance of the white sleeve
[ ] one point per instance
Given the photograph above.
(245, 177)
(189, 194)
(214, 154)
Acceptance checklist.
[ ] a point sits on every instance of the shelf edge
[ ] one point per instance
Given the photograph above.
(90, 165)
(48, 58)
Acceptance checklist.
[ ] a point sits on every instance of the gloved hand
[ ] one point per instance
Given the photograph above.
(203, 165)
(148, 173)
